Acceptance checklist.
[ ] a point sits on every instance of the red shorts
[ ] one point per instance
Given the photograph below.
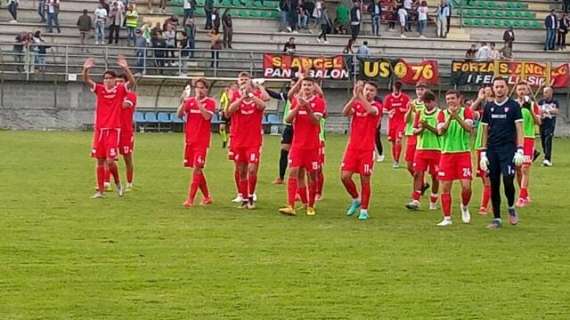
(105, 144)
(480, 172)
(455, 166)
(361, 161)
(304, 158)
(396, 131)
(246, 154)
(427, 160)
(126, 143)
(410, 148)
(195, 156)
(528, 151)
(322, 154)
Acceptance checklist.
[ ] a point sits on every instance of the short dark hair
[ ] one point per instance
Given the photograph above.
(122, 76)
(309, 79)
(500, 79)
(202, 81)
(398, 85)
(453, 91)
(111, 73)
(365, 43)
(85, 11)
(371, 83)
(428, 96)
(244, 74)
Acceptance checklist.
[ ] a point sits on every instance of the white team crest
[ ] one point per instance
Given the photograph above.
(492, 109)
(507, 109)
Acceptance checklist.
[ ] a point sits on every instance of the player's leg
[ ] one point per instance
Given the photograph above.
(350, 186)
(243, 181)
(302, 190)
(446, 200)
(434, 188)
(414, 204)
(203, 185)
(523, 194)
(111, 140)
(379, 147)
(100, 174)
(320, 175)
(237, 179)
(252, 168)
(365, 190)
(495, 179)
(194, 185)
(283, 159)
(486, 194)
(509, 185)
(130, 170)
(291, 190)
(312, 180)
(466, 193)
(397, 147)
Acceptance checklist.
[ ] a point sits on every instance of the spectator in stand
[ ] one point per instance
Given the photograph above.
(566, 6)
(140, 51)
(284, 15)
(375, 10)
(408, 6)
(227, 25)
(471, 53)
(339, 28)
(20, 49)
(169, 35)
(146, 31)
(216, 20)
(549, 108)
(302, 19)
(348, 53)
(208, 10)
(290, 46)
(190, 29)
(551, 25)
(132, 17)
(448, 24)
(363, 51)
(509, 37)
(40, 49)
(162, 6)
(403, 17)
(326, 24)
(342, 19)
(42, 10)
(157, 29)
(422, 18)
(52, 15)
(116, 21)
(172, 20)
(442, 14)
(13, 9)
(506, 53)
(100, 20)
(215, 46)
(495, 54)
(392, 10)
(484, 52)
(563, 25)
(292, 19)
(318, 11)
(355, 18)
(84, 24)
(158, 46)
(189, 6)
(105, 6)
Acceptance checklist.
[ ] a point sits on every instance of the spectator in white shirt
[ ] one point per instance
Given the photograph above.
(495, 54)
(422, 18)
(442, 14)
(403, 16)
(100, 19)
(484, 52)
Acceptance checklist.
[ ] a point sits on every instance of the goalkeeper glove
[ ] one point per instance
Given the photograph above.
(484, 162)
(518, 159)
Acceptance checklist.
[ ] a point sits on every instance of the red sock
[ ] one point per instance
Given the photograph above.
(486, 196)
(394, 147)
(252, 183)
(130, 173)
(416, 195)
(115, 172)
(237, 181)
(465, 197)
(397, 151)
(302, 191)
(204, 186)
(101, 172)
(312, 193)
(524, 193)
(193, 188)
(446, 204)
(243, 186)
(291, 191)
(410, 170)
(433, 198)
(320, 182)
(365, 193)
(107, 175)
(350, 187)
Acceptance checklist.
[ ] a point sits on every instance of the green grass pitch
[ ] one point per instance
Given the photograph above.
(65, 256)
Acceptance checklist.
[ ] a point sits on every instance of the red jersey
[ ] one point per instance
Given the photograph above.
(197, 129)
(306, 132)
(234, 95)
(127, 113)
(109, 106)
(397, 105)
(248, 127)
(363, 126)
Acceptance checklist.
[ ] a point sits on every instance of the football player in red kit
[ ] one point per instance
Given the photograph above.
(307, 109)
(396, 104)
(108, 110)
(247, 114)
(244, 79)
(198, 110)
(127, 140)
(365, 115)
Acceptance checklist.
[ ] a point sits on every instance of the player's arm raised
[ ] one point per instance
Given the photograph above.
(296, 87)
(418, 126)
(180, 111)
(410, 111)
(235, 105)
(314, 116)
(292, 113)
(207, 114)
(466, 123)
(443, 124)
(370, 109)
(259, 102)
(347, 109)
(87, 65)
(122, 63)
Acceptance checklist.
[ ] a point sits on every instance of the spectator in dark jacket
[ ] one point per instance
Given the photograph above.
(84, 24)
(509, 38)
(208, 10)
(563, 26)
(375, 10)
(41, 50)
(355, 17)
(227, 28)
(551, 25)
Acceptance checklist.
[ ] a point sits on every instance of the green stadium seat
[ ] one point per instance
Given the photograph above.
(270, 4)
(499, 14)
(497, 23)
(477, 22)
(517, 14)
(178, 11)
(487, 23)
(526, 24)
(227, 3)
(508, 14)
(517, 24)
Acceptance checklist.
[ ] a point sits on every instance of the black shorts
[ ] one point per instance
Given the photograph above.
(287, 135)
(501, 160)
